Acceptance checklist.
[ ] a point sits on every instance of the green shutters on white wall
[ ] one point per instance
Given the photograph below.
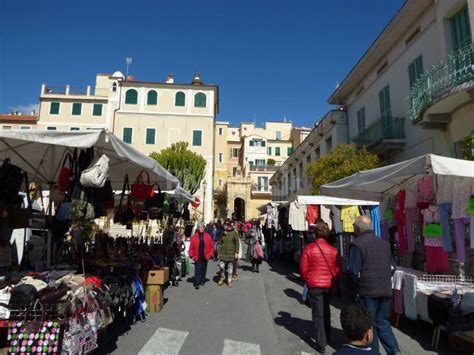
(54, 108)
(289, 151)
(200, 100)
(76, 108)
(361, 119)
(127, 135)
(152, 98)
(460, 29)
(131, 97)
(197, 138)
(150, 136)
(277, 151)
(180, 98)
(269, 150)
(97, 110)
(415, 69)
(385, 112)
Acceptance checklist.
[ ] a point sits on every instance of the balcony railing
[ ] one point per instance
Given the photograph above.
(261, 188)
(254, 167)
(380, 130)
(452, 71)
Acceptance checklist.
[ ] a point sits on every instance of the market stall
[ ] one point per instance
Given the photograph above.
(427, 214)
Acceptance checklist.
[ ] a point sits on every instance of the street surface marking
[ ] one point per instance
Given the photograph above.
(232, 347)
(165, 342)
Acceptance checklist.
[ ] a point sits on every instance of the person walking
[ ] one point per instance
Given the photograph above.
(371, 265)
(229, 245)
(201, 250)
(319, 266)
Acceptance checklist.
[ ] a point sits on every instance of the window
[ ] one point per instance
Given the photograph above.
(114, 87)
(197, 138)
(288, 182)
(328, 144)
(54, 108)
(150, 136)
(74, 129)
(179, 99)
(260, 162)
(51, 128)
(221, 157)
(301, 174)
(263, 183)
(278, 135)
(152, 98)
(220, 182)
(361, 119)
(131, 97)
(76, 108)
(127, 135)
(7, 127)
(289, 151)
(97, 110)
(269, 150)
(415, 69)
(317, 153)
(234, 171)
(257, 143)
(277, 151)
(25, 127)
(200, 100)
(221, 131)
(460, 29)
(308, 159)
(234, 152)
(385, 112)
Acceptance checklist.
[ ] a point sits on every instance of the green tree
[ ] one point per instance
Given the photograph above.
(271, 162)
(342, 161)
(467, 147)
(188, 167)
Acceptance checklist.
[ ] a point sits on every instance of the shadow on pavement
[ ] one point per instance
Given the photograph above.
(109, 341)
(287, 269)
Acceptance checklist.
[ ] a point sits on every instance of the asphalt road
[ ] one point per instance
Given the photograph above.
(261, 314)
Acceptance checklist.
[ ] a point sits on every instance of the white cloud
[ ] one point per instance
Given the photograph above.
(25, 109)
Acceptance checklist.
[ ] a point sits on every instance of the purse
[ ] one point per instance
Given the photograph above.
(156, 201)
(19, 217)
(80, 208)
(97, 174)
(141, 189)
(11, 177)
(63, 183)
(125, 215)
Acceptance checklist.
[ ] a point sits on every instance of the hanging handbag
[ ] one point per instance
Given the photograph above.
(125, 214)
(81, 208)
(11, 178)
(63, 183)
(107, 196)
(97, 174)
(18, 216)
(156, 201)
(141, 188)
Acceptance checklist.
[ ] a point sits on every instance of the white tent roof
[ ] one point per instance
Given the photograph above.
(373, 184)
(328, 200)
(41, 154)
(181, 195)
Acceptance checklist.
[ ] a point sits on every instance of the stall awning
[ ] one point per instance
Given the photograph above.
(373, 184)
(336, 201)
(41, 153)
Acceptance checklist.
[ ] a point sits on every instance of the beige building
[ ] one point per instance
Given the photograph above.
(246, 158)
(412, 92)
(16, 120)
(148, 115)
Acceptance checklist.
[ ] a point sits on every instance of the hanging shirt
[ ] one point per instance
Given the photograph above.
(312, 213)
(297, 216)
(445, 189)
(325, 215)
(348, 216)
(461, 195)
(425, 189)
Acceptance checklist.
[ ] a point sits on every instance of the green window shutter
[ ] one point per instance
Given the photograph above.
(277, 151)
(384, 99)
(460, 29)
(54, 108)
(411, 74)
(179, 99)
(131, 97)
(289, 150)
(415, 70)
(361, 119)
(152, 98)
(97, 110)
(263, 143)
(74, 129)
(150, 136)
(51, 128)
(76, 108)
(197, 138)
(127, 135)
(269, 150)
(200, 100)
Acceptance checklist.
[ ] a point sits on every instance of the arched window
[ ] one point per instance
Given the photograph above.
(180, 99)
(200, 100)
(131, 97)
(114, 87)
(152, 98)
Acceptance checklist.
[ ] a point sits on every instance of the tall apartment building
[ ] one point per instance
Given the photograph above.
(246, 158)
(412, 91)
(148, 115)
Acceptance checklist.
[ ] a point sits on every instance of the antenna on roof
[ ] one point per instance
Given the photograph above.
(128, 60)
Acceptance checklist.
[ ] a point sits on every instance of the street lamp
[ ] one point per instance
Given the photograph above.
(204, 187)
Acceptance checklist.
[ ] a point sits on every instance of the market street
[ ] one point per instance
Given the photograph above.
(260, 314)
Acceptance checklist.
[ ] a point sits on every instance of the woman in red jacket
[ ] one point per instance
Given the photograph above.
(319, 265)
(201, 250)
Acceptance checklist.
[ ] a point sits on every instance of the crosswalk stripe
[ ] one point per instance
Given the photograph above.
(232, 347)
(165, 342)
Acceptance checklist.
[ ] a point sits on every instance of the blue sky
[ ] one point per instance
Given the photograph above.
(271, 59)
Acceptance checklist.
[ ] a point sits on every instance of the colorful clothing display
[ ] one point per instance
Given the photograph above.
(348, 216)
(436, 259)
(461, 197)
(445, 189)
(375, 216)
(399, 216)
(297, 216)
(312, 213)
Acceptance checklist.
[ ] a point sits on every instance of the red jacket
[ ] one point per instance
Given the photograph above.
(208, 247)
(314, 269)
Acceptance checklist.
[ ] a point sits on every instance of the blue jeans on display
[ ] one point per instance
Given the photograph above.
(200, 269)
(379, 308)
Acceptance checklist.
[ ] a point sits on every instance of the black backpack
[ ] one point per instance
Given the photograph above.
(11, 178)
(23, 294)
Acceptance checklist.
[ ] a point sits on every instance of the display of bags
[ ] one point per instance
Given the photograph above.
(141, 188)
(97, 174)
(63, 183)
(79, 336)
(125, 214)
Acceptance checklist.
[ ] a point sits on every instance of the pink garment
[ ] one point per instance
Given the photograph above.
(431, 215)
(434, 242)
(436, 260)
(397, 299)
(399, 216)
(425, 189)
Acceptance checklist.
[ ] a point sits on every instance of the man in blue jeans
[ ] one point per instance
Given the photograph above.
(372, 265)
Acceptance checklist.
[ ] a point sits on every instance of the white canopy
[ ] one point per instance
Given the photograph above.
(181, 195)
(373, 184)
(41, 154)
(336, 201)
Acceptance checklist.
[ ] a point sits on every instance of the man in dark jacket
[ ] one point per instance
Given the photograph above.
(371, 265)
(229, 246)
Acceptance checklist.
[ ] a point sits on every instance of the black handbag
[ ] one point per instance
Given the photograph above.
(18, 216)
(125, 214)
(156, 201)
(11, 178)
(23, 294)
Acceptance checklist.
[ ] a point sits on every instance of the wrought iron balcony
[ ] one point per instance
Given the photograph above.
(382, 135)
(448, 74)
(260, 188)
(254, 167)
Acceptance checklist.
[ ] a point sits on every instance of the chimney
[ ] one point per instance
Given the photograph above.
(197, 79)
(169, 79)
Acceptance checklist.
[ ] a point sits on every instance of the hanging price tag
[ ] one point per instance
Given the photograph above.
(389, 214)
(432, 230)
(470, 205)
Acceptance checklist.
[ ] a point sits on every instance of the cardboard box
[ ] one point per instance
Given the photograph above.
(154, 298)
(159, 276)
